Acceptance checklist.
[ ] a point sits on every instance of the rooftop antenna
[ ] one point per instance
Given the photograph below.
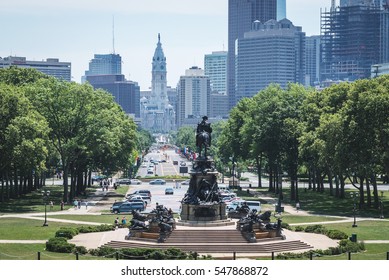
(113, 34)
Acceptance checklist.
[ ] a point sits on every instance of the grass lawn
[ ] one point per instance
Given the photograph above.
(296, 219)
(372, 252)
(30, 252)
(366, 230)
(27, 229)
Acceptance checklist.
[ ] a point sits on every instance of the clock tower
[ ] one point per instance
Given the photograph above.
(159, 97)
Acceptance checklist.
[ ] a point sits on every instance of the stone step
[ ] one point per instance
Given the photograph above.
(280, 246)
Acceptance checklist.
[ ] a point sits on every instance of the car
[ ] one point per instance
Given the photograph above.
(123, 181)
(183, 163)
(169, 191)
(150, 170)
(157, 182)
(186, 182)
(142, 192)
(127, 207)
(135, 182)
(144, 165)
(138, 200)
(175, 162)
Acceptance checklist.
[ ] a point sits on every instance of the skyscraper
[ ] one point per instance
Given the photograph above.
(272, 52)
(126, 93)
(158, 115)
(350, 42)
(312, 60)
(194, 90)
(104, 64)
(241, 15)
(281, 9)
(215, 67)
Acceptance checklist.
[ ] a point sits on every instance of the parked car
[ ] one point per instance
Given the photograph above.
(116, 204)
(142, 192)
(127, 207)
(138, 199)
(135, 182)
(169, 191)
(175, 162)
(183, 163)
(158, 182)
(150, 170)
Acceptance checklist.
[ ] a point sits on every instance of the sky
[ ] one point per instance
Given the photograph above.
(74, 30)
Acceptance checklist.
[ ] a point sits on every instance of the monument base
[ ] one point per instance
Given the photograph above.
(206, 212)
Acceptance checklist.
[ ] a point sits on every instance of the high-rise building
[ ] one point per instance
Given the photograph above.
(312, 60)
(105, 64)
(126, 93)
(51, 66)
(241, 15)
(215, 67)
(384, 34)
(349, 3)
(350, 42)
(194, 90)
(158, 116)
(272, 52)
(281, 9)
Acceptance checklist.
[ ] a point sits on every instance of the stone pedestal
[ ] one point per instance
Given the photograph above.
(203, 212)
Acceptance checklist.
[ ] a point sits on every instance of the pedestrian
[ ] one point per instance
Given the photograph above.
(297, 206)
(62, 204)
(101, 185)
(79, 204)
(51, 205)
(75, 203)
(124, 221)
(116, 222)
(86, 205)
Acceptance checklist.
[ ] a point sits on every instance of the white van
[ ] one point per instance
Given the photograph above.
(223, 188)
(253, 205)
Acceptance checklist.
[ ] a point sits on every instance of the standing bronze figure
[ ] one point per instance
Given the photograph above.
(203, 136)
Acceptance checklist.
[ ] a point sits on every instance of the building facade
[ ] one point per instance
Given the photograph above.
(273, 52)
(312, 60)
(50, 66)
(281, 9)
(215, 67)
(158, 116)
(350, 42)
(194, 91)
(241, 15)
(126, 93)
(104, 64)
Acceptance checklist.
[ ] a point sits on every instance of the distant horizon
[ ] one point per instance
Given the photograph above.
(75, 31)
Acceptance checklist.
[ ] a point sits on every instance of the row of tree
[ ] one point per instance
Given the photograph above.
(48, 124)
(334, 136)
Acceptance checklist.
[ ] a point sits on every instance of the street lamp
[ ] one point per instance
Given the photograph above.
(382, 209)
(354, 196)
(45, 195)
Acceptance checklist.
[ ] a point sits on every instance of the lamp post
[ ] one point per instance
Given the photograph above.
(45, 195)
(355, 195)
(382, 209)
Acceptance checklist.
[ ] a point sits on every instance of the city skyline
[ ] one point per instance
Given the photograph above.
(74, 31)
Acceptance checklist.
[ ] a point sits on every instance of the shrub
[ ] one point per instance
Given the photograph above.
(67, 233)
(59, 245)
(316, 229)
(299, 228)
(286, 226)
(81, 250)
(349, 246)
(336, 234)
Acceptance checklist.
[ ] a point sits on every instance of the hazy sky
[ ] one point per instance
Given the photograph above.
(75, 30)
